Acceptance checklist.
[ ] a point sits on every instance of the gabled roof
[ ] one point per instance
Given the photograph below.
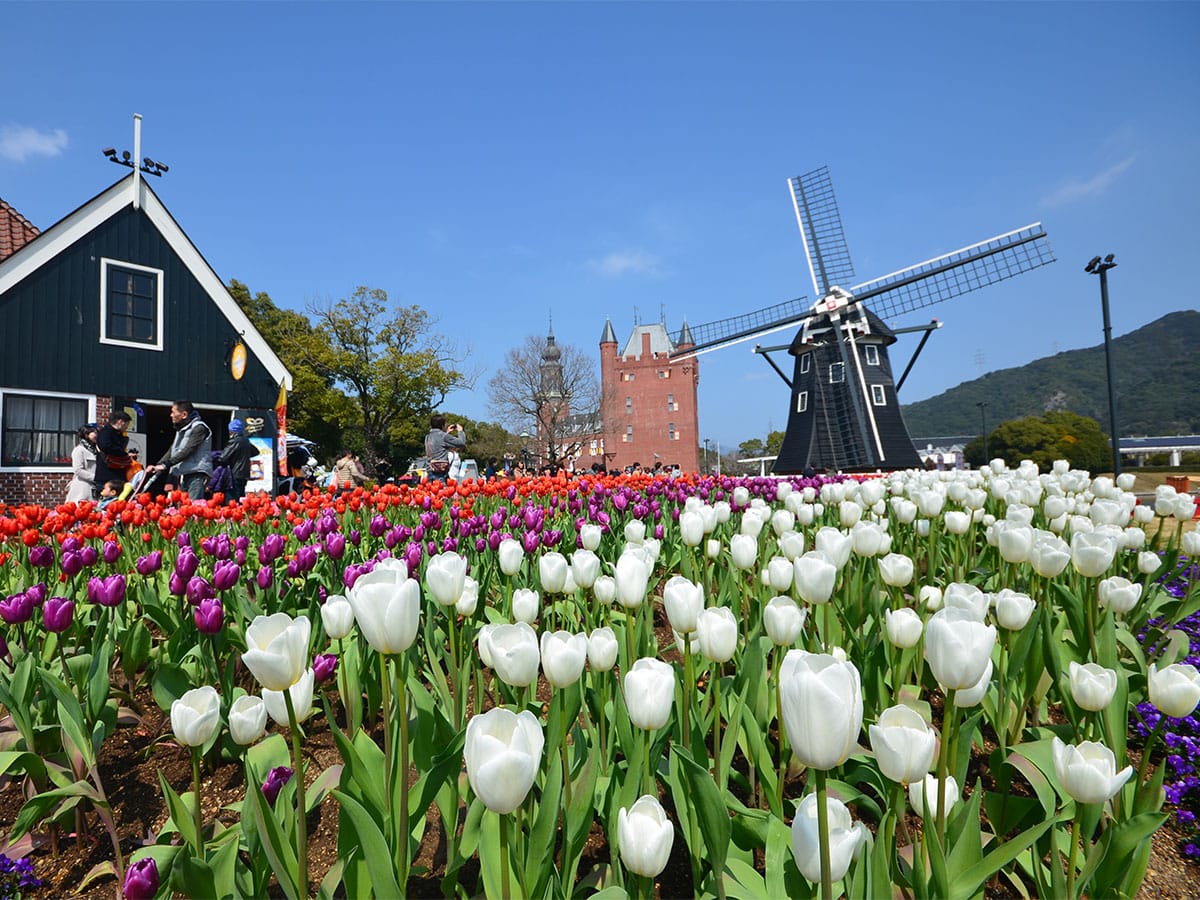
(660, 341)
(62, 234)
(15, 230)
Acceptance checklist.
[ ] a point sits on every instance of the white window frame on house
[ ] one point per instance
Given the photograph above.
(90, 399)
(664, 373)
(870, 354)
(805, 363)
(802, 402)
(671, 403)
(105, 338)
(628, 434)
(878, 395)
(838, 369)
(671, 436)
(628, 405)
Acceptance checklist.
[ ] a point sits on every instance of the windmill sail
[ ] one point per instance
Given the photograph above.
(821, 224)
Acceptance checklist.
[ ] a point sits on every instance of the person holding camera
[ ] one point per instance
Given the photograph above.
(440, 440)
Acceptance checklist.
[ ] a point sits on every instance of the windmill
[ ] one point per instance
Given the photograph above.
(844, 411)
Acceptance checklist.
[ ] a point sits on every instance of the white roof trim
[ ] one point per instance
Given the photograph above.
(102, 208)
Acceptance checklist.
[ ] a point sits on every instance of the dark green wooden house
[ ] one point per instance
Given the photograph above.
(114, 307)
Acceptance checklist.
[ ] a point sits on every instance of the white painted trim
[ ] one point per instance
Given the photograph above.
(803, 237)
(64, 395)
(802, 402)
(862, 379)
(66, 232)
(998, 237)
(154, 402)
(870, 350)
(805, 362)
(105, 262)
(882, 395)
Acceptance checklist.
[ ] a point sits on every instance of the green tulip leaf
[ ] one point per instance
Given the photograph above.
(539, 860)
(1110, 858)
(711, 813)
(375, 850)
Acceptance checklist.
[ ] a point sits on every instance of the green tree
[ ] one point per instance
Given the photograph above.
(390, 363)
(1043, 439)
(316, 408)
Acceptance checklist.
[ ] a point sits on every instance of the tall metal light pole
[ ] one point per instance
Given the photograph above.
(1101, 267)
(982, 404)
(706, 443)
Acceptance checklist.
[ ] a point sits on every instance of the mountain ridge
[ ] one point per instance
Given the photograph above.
(1156, 373)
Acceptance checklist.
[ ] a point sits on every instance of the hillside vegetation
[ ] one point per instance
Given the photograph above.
(1156, 369)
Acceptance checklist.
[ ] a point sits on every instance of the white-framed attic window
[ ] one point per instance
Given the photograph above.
(871, 354)
(802, 402)
(878, 397)
(131, 305)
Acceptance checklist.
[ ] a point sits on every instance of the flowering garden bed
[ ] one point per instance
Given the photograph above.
(604, 687)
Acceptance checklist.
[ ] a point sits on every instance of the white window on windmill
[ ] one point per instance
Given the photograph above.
(837, 372)
(805, 363)
(802, 402)
(878, 396)
(871, 354)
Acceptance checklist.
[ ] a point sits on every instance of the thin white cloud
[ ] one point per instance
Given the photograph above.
(631, 262)
(1080, 189)
(19, 142)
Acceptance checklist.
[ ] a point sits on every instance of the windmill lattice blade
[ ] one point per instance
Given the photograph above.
(957, 273)
(736, 329)
(821, 223)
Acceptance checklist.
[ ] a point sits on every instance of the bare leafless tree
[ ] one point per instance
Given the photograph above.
(555, 400)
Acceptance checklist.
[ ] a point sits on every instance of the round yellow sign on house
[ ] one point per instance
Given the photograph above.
(237, 361)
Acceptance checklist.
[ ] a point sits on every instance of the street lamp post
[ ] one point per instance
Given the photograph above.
(1101, 267)
(525, 450)
(982, 404)
(706, 443)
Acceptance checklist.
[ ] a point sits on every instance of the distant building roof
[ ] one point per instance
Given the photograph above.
(609, 336)
(1161, 444)
(660, 341)
(15, 230)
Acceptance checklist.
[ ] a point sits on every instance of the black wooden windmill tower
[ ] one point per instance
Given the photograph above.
(844, 411)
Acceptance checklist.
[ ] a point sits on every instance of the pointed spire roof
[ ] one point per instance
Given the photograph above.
(685, 335)
(609, 336)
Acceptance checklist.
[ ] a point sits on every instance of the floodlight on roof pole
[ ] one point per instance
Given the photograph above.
(1100, 267)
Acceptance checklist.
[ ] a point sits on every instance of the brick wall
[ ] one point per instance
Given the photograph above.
(649, 394)
(44, 488)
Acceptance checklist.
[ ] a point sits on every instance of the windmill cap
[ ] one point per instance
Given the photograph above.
(237, 426)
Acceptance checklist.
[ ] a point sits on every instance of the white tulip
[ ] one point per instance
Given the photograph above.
(958, 647)
(930, 596)
(683, 600)
(337, 616)
(247, 719)
(302, 700)
(1013, 609)
(503, 753)
(1092, 554)
(1092, 685)
(605, 590)
(388, 612)
(691, 528)
(965, 699)
(644, 837)
(469, 600)
(1148, 562)
(791, 544)
(960, 595)
(602, 649)
(632, 578)
(445, 575)
(1175, 690)
(835, 545)
(957, 522)
(846, 838)
(1087, 771)
(635, 531)
(196, 716)
(515, 653)
(783, 620)
(903, 626)
(277, 649)
(822, 708)
(1119, 593)
(903, 743)
(717, 631)
(896, 570)
(815, 577)
(779, 574)
(563, 657)
(526, 604)
(743, 550)
(511, 554)
(649, 693)
(552, 571)
(589, 536)
(928, 785)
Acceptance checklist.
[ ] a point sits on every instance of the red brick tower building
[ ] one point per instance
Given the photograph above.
(648, 403)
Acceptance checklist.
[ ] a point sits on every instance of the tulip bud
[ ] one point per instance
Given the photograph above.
(196, 716)
(632, 578)
(822, 708)
(927, 787)
(1088, 771)
(712, 548)
(1175, 690)
(904, 744)
(302, 699)
(337, 616)
(783, 620)
(585, 568)
(602, 649)
(716, 629)
(846, 838)
(141, 879)
(324, 666)
(779, 574)
(503, 753)
(247, 719)
(644, 837)
(904, 627)
(276, 779)
(57, 614)
(930, 596)
(1119, 593)
(563, 657)
(958, 647)
(209, 616)
(815, 577)
(589, 536)
(445, 575)
(526, 604)
(1092, 685)
(649, 693)
(1013, 609)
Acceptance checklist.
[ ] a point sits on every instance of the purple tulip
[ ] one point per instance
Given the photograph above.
(183, 539)
(335, 545)
(241, 543)
(324, 665)
(226, 574)
(209, 616)
(327, 524)
(150, 563)
(659, 531)
(530, 540)
(239, 557)
(306, 558)
(177, 584)
(110, 591)
(350, 575)
(71, 544)
(303, 531)
(265, 577)
(271, 549)
(293, 568)
(355, 537)
(16, 608)
(36, 593)
(72, 562)
(57, 614)
(199, 589)
(88, 556)
(493, 540)
(186, 563)
(378, 526)
(141, 880)
(112, 552)
(276, 779)
(412, 556)
(41, 556)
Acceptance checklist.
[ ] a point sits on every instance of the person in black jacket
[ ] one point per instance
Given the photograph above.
(237, 455)
(113, 445)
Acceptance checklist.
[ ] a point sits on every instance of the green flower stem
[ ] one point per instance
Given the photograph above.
(298, 774)
(402, 715)
(1090, 605)
(689, 683)
(196, 816)
(456, 700)
(823, 836)
(343, 681)
(716, 686)
(647, 777)
(1144, 765)
(67, 673)
(630, 658)
(505, 889)
(1002, 697)
(949, 714)
(783, 745)
(1071, 851)
(566, 765)
(385, 685)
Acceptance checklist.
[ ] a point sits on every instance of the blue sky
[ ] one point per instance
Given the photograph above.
(498, 163)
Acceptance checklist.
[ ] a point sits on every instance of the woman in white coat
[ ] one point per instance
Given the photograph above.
(83, 465)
